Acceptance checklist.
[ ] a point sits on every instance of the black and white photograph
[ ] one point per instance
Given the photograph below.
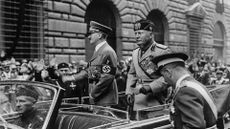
(114, 64)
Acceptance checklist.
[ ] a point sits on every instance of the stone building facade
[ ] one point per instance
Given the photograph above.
(191, 26)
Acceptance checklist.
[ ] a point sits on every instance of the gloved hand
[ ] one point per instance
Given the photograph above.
(145, 89)
(130, 99)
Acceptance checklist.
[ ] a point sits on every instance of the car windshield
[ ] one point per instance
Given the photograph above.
(25, 105)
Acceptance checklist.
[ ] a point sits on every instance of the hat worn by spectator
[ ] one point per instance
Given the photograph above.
(27, 66)
(219, 70)
(29, 92)
(100, 27)
(144, 24)
(201, 63)
(62, 65)
(169, 58)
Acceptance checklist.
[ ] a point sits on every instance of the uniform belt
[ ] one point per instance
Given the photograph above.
(212, 127)
(140, 80)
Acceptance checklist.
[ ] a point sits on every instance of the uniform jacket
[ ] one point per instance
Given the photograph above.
(31, 119)
(190, 110)
(158, 85)
(102, 69)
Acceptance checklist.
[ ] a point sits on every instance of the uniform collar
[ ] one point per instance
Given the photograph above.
(180, 80)
(99, 45)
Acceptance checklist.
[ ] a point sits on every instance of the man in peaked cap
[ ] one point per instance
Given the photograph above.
(26, 97)
(101, 68)
(142, 82)
(192, 106)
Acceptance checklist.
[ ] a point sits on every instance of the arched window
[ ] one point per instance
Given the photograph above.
(159, 19)
(218, 40)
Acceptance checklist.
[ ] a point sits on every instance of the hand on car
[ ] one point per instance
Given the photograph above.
(145, 89)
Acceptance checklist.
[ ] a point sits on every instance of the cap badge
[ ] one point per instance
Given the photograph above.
(137, 26)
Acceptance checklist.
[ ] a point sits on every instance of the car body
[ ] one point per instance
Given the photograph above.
(59, 114)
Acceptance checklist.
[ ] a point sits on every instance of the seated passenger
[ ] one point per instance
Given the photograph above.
(5, 106)
(31, 118)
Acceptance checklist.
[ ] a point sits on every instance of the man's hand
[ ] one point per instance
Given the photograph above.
(67, 78)
(136, 90)
(145, 89)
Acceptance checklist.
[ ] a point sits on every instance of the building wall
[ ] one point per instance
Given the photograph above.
(66, 26)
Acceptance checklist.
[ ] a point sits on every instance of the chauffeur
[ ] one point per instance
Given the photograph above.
(192, 107)
(144, 87)
(101, 68)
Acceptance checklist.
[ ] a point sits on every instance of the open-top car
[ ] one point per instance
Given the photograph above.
(37, 105)
(45, 109)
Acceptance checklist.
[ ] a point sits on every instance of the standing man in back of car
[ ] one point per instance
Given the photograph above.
(144, 88)
(101, 68)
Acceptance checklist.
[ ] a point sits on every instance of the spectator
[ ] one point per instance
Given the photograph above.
(203, 74)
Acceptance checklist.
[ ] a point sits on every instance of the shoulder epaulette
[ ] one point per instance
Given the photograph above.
(161, 46)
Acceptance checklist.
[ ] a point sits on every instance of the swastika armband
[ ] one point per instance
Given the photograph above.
(108, 69)
(94, 71)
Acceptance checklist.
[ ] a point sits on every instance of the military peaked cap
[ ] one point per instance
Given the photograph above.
(103, 28)
(28, 91)
(144, 24)
(168, 58)
(63, 65)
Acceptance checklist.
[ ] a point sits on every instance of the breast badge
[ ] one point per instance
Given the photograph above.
(148, 66)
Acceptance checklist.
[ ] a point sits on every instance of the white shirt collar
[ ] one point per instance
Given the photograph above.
(180, 80)
(99, 45)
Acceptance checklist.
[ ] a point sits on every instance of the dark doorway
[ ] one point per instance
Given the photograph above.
(101, 11)
(159, 19)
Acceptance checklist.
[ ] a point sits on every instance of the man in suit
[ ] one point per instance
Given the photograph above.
(101, 68)
(193, 106)
(144, 88)
(203, 75)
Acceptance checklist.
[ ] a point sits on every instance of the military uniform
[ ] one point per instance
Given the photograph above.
(101, 71)
(142, 71)
(191, 114)
(30, 120)
(192, 106)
